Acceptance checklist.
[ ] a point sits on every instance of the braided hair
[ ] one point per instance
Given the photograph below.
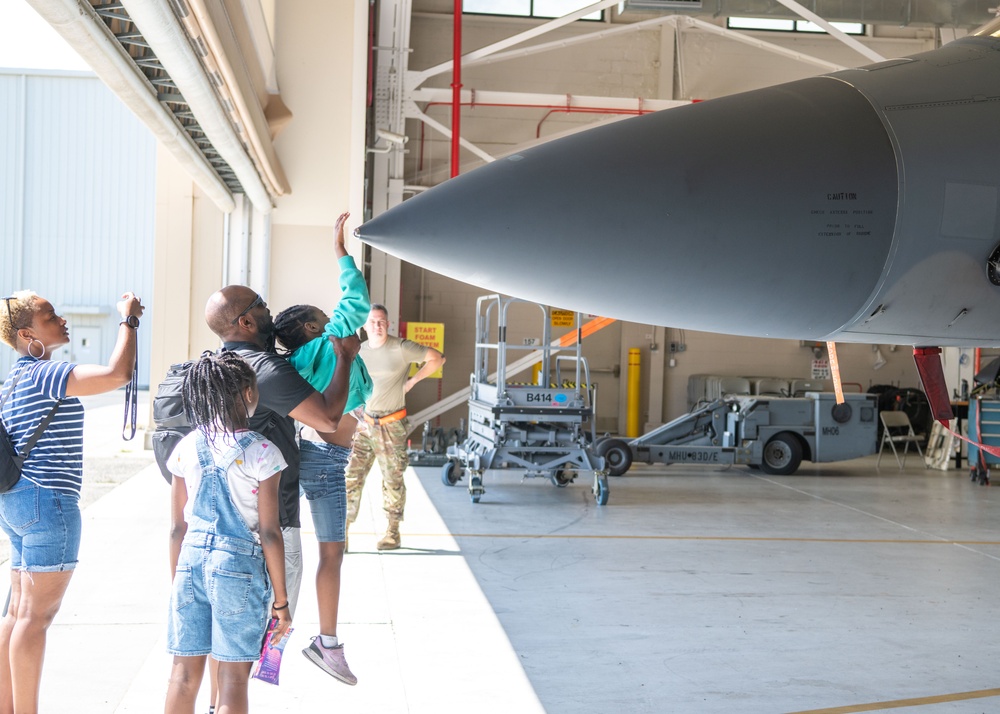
(289, 326)
(213, 393)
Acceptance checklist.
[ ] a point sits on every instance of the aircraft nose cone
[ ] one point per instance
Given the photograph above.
(775, 207)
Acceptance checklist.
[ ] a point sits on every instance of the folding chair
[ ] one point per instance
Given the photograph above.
(897, 429)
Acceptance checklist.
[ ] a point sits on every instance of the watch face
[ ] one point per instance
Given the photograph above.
(132, 321)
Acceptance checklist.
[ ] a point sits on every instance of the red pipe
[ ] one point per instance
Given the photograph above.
(552, 108)
(586, 110)
(456, 89)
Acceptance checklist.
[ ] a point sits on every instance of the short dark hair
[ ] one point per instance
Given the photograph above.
(378, 306)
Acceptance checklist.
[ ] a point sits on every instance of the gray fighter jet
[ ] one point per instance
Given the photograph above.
(859, 206)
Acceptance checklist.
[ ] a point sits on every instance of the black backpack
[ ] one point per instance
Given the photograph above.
(168, 415)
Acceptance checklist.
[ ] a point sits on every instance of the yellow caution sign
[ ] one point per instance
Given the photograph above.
(562, 318)
(428, 334)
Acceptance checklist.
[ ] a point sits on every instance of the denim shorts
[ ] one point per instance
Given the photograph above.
(220, 600)
(44, 528)
(321, 478)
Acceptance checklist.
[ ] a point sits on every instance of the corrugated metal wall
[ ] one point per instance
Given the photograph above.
(77, 198)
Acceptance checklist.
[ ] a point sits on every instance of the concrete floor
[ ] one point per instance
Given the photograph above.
(700, 590)
(839, 589)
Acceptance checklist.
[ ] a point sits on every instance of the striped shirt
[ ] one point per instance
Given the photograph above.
(57, 460)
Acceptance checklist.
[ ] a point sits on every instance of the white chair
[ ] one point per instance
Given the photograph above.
(897, 429)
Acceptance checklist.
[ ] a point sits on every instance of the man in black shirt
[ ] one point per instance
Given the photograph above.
(240, 318)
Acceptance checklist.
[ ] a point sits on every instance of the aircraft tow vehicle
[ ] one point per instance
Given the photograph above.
(773, 434)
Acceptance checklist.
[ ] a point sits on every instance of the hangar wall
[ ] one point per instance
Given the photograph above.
(321, 71)
(76, 214)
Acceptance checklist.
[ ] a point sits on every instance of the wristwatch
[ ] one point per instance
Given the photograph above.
(132, 321)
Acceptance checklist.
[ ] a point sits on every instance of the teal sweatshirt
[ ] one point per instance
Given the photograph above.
(316, 360)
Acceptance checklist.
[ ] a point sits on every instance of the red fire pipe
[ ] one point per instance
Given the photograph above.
(456, 89)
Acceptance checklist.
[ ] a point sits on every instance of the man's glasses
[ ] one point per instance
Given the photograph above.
(257, 301)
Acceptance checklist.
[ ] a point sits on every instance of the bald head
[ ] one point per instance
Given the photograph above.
(226, 305)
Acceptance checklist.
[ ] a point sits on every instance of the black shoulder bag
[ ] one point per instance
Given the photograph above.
(10, 460)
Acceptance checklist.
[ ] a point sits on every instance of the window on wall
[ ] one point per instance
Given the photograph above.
(529, 8)
(776, 25)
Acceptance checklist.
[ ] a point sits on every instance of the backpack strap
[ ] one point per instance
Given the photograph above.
(42, 425)
(13, 386)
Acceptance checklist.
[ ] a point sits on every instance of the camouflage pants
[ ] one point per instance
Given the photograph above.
(387, 442)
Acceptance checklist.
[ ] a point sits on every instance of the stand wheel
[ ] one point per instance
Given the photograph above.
(601, 491)
(476, 489)
(451, 473)
(562, 477)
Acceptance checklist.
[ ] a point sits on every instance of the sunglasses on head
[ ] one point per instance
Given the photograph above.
(257, 301)
(10, 315)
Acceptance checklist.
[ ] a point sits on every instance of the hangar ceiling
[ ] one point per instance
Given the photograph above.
(199, 74)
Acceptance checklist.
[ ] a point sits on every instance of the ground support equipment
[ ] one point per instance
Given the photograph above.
(773, 434)
(545, 427)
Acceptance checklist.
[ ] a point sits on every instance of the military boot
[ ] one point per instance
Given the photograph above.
(391, 539)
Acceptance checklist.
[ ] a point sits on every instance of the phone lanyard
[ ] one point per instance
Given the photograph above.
(132, 399)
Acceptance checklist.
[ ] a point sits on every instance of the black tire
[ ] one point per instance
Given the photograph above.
(563, 478)
(617, 455)
(782, 455)
(450, 473)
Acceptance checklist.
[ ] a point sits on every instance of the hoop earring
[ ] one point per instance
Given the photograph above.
(33, 341)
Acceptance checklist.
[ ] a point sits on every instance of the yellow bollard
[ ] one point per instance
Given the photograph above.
(632, 398)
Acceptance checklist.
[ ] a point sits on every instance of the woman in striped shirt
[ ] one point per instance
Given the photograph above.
(41, 513)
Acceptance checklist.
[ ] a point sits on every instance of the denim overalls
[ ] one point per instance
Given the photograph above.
(221, 592)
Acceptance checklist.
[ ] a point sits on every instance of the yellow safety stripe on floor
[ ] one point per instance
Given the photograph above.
(900, 703)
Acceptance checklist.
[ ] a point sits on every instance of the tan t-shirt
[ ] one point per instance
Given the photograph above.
(389, 366)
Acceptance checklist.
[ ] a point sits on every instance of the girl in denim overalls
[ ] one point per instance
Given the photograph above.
(226, 551)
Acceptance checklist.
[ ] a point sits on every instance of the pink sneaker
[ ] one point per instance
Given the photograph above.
(331, 660)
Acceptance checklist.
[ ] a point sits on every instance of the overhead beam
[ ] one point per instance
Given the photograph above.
(569, 41)
(759, 44)
(415, 79)
(414, 113)
(475, 97)
(851, 42)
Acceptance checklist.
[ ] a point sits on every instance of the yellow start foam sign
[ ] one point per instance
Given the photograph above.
(428, 334)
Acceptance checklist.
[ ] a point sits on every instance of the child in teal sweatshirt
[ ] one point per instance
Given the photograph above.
(304, 331)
